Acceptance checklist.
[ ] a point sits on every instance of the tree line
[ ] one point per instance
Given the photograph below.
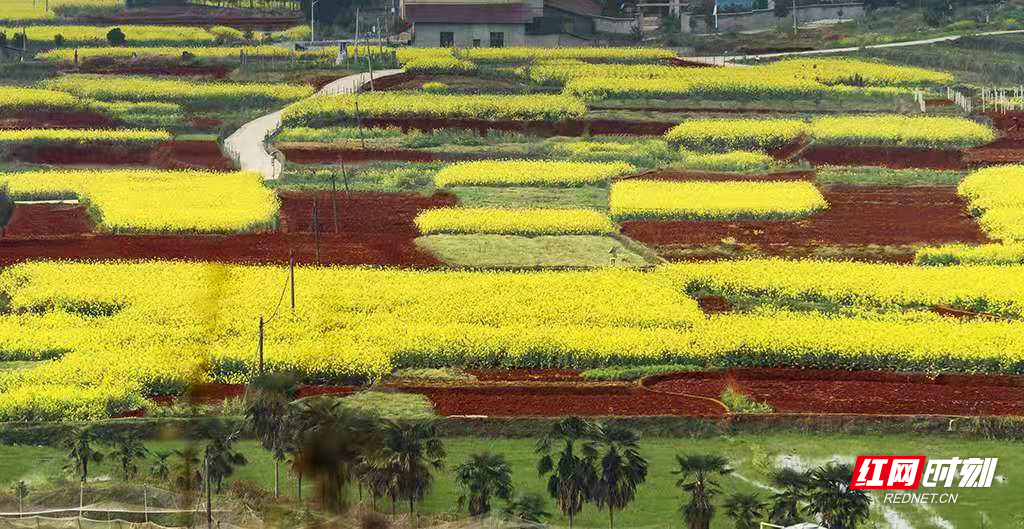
(583, 462)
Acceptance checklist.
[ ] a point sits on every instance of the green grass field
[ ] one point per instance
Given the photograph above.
(753, 456)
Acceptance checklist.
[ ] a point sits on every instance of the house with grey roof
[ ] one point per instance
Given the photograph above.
(504, 23)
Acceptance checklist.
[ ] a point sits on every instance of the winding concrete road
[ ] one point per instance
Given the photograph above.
(248, 145)
(723, 60)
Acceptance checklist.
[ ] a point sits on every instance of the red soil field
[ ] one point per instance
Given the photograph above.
(55, 119)
(41, 221)
(892, 157)
(169, 155)
(706, 176)
(553, 400)
(858, 392)
(534, 375)
(374, 229)
(857, 216)
(538, 128)
(315, 154)
(114, 67)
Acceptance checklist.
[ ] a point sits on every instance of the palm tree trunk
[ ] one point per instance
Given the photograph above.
(570, 519)
(277, 478)
(300, 486)
(611, 517)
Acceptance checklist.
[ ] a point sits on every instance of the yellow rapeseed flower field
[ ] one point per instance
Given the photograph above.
(331, 110)
(75, 35)
(82, 136)
(723, 135)
(656, 199)
(529, 172)
(909, 131)
(514, 221)
(147, 200)
(146, 328)
(183, 92)
(997, 195)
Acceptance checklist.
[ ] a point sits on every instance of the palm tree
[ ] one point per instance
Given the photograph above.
(188, 477)
(266, 409)
(620, 469)
(79, 445)
(128, 448)
(746, 509)
(482, 476)
(330, 442)
(785, 507)
(404, 462)
(695, 473)
(571, 472)
(832, 499)
(529, 508)
(221, 457)
(161, 469)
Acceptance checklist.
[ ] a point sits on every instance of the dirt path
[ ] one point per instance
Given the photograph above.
(247, 146)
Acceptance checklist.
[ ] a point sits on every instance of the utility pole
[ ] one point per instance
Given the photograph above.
(312, 20)
(291, 276)
(334, 199)
(259, 345)
(316, 230)
(794, 18)
(209, 496)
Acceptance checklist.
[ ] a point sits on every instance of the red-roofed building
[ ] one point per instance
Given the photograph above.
(503, 23)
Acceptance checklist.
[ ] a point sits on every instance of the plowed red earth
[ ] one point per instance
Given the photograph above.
(538, 128)
(892, 157)
(560, 400)
(857, 216)
(827, 391)
(41, 221)
(536, 375)
(684, 175)
(53, 119)
(169, 155)
(373, 229)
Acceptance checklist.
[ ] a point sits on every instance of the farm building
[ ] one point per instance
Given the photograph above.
(502, 23)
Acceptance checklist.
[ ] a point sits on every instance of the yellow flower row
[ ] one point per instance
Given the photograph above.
(119, 136)
(997, 195)
(93, 35)
(187, 93)
(529, 172)
(525, 221)
(435, 65)
(654, 199)
(720, 135)
(176, 52)
(155, 200)
(328, 110)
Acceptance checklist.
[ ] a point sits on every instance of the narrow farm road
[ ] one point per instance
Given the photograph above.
(728, 60)
(247, 146)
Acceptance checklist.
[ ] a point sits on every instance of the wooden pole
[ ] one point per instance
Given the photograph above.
(259, 345)
(334, 200)
(291, 276)
(209, 496)
(316, 230)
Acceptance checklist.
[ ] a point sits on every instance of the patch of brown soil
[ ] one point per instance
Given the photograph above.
(558, 400)
(523, 375)
(190, 154)
(858, 392)
(706, 176)
(310, 154)
(41, 221)
(55, 119)
(373, 229)
(857, 216)
(714, 305)
(892, 157)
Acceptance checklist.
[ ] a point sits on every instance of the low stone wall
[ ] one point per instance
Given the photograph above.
(765, 18)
